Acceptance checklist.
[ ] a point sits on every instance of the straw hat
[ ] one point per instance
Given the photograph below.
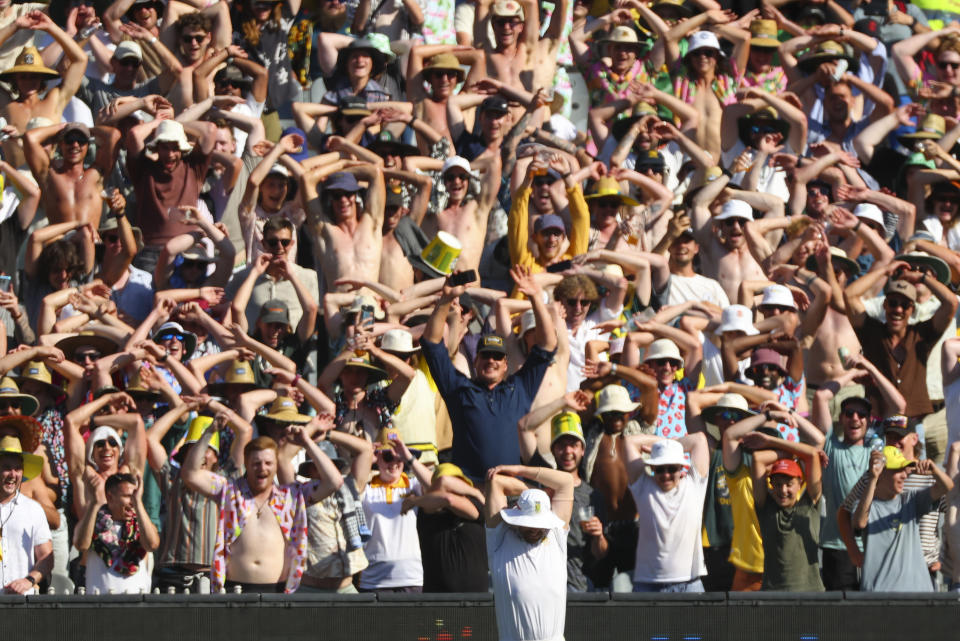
(838, 256)
(28, 430)
(284, 410)
(29, 61)
(439, 257)
(71, 344)
(609, 186)
(932, 127)
(938, 265)
(363, 361)
(398, 341)
(37, 372)
(623, 35)
(238, 377)
(827, 51)
(32, 464)
(28, 404)
(137, 389)
(446, 61)
(764, 34)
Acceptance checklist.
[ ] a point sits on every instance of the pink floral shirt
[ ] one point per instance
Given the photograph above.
(788, 394)
(672, 411)
(288, 503)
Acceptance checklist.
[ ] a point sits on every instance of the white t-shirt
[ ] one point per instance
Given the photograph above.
(102, 579)
(669, 547)
(529, 584)
(772, 180)
(696, 287)
(578, 343)
(394, 547)
(24, 528)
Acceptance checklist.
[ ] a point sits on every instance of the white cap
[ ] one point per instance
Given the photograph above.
(869, 211)
(737, 318)
(455, 161)
(398, 340)
(703, 40)
(279, 169)
(735, 209)
(667, 452)
(777, 295)
(527, 322)
(615, 398)
(563, 128)
(532, 510)
(128, 49)
(663, 348)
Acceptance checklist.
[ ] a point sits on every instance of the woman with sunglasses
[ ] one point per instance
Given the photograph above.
(935, 82)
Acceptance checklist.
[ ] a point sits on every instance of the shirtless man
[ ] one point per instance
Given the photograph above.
(465, 215)
(441, 67)
(269, 552)
(724, 251)
(29, 78)
(71, 191)
(349, 243)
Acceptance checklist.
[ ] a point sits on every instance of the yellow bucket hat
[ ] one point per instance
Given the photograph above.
(32, 464)
(608, 186)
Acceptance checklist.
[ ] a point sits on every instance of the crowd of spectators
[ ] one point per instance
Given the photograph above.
(303, 296)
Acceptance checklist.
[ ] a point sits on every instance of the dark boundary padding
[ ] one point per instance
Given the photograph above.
(470, 617)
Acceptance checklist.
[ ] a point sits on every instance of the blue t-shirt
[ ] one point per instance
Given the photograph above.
(485, 420)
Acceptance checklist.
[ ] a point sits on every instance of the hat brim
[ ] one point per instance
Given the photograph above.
(810, 63)
(624, 200)
(936, 264)
(709, 414)
(629, 408)
(143, 393)
(765, 42)
(666, 460)
(28, 429)
(222, 388)
(28, 404)
(422, 265)
(50, 387)
(921, 135)
(290, 417)
(541, 521)
(744, 123)
(851, 265)
(33, 69)
(71, 344)
(749, 331)
(664, 7)
(382, 147)
(379, 374)
(378, 57)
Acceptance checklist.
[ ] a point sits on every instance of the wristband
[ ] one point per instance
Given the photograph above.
(613, 368)
(32, 580)
(856, 227)
(152, 40)
(296, 379)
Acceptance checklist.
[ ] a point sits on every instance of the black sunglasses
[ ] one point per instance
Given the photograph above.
(83, 356)
(112, 442)
(667, 469)
(193, 38)
(9, 404)
(943, 64)
(850, 413)
(277, 242)
(494, 356)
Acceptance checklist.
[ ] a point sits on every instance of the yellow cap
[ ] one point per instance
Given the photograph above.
(566, 424)
(449, 469)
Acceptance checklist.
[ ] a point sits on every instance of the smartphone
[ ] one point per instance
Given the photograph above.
(842, 66)
(462, 278)
(4, 283)
(562, 266)
(366, 314)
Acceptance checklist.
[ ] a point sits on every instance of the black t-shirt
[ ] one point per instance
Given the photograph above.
(454, 551)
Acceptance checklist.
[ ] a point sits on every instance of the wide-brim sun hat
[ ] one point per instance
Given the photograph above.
(367, 44)
(29, 61)
(763, 34)
(239, 377)
(826, 51)
(728, 402)
(28, 404)
(837, 255)
(398, 341)
(663, 348)
(170, 131)
(765, 116)
(608, 187)
(938, 265)
(284, 410)
(444, 62)
(532, 510)
(363, 362)
(932, 127)
(71, 344)
(615, 398)
(37, 372)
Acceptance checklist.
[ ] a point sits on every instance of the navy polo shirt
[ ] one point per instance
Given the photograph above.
(485, 420)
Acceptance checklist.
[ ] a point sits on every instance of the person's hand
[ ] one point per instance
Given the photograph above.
(486, 86)
(401, 450)
(83, 304)
(409, 502)
(263, 147)
(925, 467)
(856, 556)
(350, 284)
(135, 31)
(262, 263)
(799, 297)
(149, 350)
(757, 441)
(620, 16)
(237, 52)
(720, 16)
(895, 16)
(9, 302)
(372, 120)
(50, 353)
(896, 268)
(933, 151)
(526, 284)
(389, 114)
(240, 337)
(596, 369)
(878, 462)
(190, 312)
(95, 487)
(298, 435)
(281, 376)
(164, 308)
(212, 295)
(560, 164)
(743, 162)
(185, 214)
(906, 113)
(86, 16)
(36, 20)
(321, 425)
(770, 143)
(845, 219)
(935, 90)
(281, 265)
(226, 103)
(578, 400)
(292, 143)
(116, 202)
(665, 131)
(593, 527)
(122, 402)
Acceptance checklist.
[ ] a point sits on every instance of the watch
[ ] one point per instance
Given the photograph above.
(32, 580)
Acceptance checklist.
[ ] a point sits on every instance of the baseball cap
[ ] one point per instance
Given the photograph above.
(566, 424)
(897, 424)
(275, 311)
(494, 103)
(902, 287)
(75, 126)
(491, 343)
(548, 221)
(342, 181)
(786, 466)
(895, 458)
(128, 49)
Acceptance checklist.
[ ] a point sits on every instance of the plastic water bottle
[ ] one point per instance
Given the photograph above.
(876, 443)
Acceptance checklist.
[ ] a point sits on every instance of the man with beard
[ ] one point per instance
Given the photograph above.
(898, 349)
(348, 240)
(719, 227)
(893, 560)
(164, 184)
(486, 408)
(71, 189)
(262, 532)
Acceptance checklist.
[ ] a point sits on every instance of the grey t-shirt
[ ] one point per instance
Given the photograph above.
(893, 560)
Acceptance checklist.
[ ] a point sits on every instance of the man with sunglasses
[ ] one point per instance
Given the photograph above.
(898, 349)
(669, 492)
(72, 189)
(125, 64)
(485, 409)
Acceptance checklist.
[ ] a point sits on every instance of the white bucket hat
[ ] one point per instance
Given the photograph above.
(777, 295)
(102, 433)
(703, 40)
(667, 452)
(737, 318)
(398, 340)
(532, 510)
(663, 348)
(615, 398)
(170, 131)
(735, 209)
(869, 211)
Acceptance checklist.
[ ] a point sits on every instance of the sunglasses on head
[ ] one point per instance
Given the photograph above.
(112, 442)
(944, 64)
(852, 412)
(277, 242)
(667, 469)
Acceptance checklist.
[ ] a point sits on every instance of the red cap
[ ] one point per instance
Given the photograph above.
(786, 466)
